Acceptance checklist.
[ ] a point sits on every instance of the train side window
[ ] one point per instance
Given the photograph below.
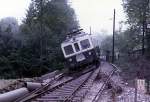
(68, 49)
(85, 44)
(76, 47)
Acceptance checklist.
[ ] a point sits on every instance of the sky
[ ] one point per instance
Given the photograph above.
(97, 14)
(14, 8)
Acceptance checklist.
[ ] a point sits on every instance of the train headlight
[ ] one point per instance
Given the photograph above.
(70, 59)
(90, 53)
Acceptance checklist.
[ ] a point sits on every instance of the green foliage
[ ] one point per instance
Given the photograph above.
(125, 42)
(38, 48)
(136, 11)
(9, 56)
(45, 28)
(138, 14)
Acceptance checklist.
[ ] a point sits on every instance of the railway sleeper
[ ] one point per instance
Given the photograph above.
(87, 85)
(49, 100)
(73, 84)
(81, 93)
(59, 93)
(68, 87)
(62, 91)
(80, 97)
(58, 98)
(55, 94)
(51, 96)
(63, 97)
(47, 97)
(77, 99)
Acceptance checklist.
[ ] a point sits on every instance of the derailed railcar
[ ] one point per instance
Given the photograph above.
(79, 50)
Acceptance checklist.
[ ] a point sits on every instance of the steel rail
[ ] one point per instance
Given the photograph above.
(46, 88)
(49, 87)
(86, 87)
(66, 92)
(28, 99)
(36, 92)
(72, 95)
(87, 83)
(97, 97)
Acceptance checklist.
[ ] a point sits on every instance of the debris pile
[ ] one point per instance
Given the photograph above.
(12, 84)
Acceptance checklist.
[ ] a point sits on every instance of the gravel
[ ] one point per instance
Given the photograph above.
(129, 96)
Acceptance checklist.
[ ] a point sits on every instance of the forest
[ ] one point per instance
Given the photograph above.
(133, 44)
(33, 47)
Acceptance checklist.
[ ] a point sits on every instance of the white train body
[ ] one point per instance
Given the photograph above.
(79, 50)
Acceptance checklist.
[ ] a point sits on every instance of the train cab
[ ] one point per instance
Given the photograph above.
(79, 50)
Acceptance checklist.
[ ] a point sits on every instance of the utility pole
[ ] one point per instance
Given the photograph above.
(143, 39)
(41, 29)
(113, 52)
(147, 34)
(143, 35)
(145, 25)
(90, 30)
(41, 33)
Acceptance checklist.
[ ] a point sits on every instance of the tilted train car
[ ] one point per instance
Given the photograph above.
(79, 50)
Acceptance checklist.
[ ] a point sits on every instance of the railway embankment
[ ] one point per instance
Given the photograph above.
(105, 84)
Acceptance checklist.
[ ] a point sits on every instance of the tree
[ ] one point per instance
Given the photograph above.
(9, 23)
(9, 46)
(138, 13)
(125, 42)
(44, 28)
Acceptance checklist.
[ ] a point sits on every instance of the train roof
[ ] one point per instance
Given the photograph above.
(78, 36)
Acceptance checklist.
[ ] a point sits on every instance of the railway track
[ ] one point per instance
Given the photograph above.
(99, 94)
(99, 87)
(48, 86)
(55, 82)
(70, 89)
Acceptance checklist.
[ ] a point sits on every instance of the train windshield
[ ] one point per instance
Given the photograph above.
(76, 47)
(68, 49)
(85, 44)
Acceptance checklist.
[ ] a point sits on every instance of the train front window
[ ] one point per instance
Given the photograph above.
(76, 47)
(85, 44)
(68, 49)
